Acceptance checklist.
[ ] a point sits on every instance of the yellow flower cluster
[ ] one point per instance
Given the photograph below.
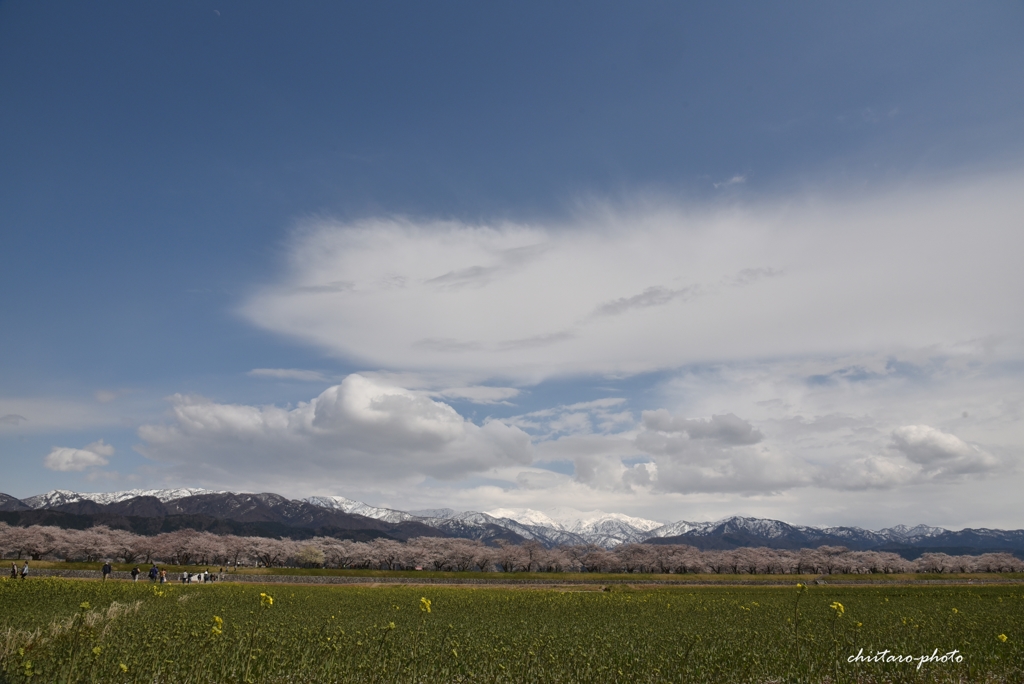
(425, 605)
(838, 607)
(218, 625)
(266, 600)
(1002, 637)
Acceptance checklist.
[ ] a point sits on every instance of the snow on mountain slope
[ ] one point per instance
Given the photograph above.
(904, 533)
(58, 497)
(340, 503)
(573, 520)
(527, 516)
(592, 527)
(677, 528)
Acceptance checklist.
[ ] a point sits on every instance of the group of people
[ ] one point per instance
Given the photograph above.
(155, 574)
(158, 575)
(204, 577)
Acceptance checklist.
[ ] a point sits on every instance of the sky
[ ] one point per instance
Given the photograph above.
(675, 260)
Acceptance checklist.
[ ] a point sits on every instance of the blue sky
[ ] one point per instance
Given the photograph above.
(527, 253)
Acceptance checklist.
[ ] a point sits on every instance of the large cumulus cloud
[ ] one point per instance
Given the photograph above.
(940, 454)
(359, 428)
(720, 453)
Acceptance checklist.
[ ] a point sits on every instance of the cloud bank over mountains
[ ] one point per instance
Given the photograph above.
(806, 359)
(366, 432)
(808, 355)
(359, 427)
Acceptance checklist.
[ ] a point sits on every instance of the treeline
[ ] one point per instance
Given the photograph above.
(187, 547)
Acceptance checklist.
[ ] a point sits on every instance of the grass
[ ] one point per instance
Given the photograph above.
(554, 577)
(228, 633)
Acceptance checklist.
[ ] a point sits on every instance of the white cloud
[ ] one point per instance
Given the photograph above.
(70, 459)
(479, 394)
(728, 429)
(657, 287)
(845, 361)
(358, 429)
(941, 454)
(288, 374)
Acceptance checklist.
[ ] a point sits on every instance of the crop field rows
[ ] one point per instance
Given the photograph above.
(74, 631)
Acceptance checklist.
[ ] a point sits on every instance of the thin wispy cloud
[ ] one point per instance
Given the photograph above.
(738, 179)
(288, 374)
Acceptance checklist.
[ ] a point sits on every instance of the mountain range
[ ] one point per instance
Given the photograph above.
(150, 511)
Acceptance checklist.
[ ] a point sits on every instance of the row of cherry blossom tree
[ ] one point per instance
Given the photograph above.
(187, 547)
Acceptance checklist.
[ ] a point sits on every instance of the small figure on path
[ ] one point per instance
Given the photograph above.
(154, 572)
(106, 570)
(14, 571)
(135, 573)
(163, 576)
(24, 570)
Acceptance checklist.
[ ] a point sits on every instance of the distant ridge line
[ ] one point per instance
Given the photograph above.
(556, 527)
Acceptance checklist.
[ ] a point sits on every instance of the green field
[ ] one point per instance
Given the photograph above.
(65, 630)
(414, 576)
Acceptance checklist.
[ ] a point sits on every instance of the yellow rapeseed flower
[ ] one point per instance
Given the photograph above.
(124, 668)
(838, 607)
(1002, 637)
(425, 604)
(266, 600)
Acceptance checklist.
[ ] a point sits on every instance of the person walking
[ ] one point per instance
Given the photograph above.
(135, 573)
(14, 571)
(163, 576)
(106, 570)
(154, 572)
(24, 570)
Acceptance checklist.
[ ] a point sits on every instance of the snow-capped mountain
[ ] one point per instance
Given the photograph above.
(527, 516)
(550, 527)
(340, 503)
(594, 527)
(904, 533)
(58, 497)
(678, 528)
